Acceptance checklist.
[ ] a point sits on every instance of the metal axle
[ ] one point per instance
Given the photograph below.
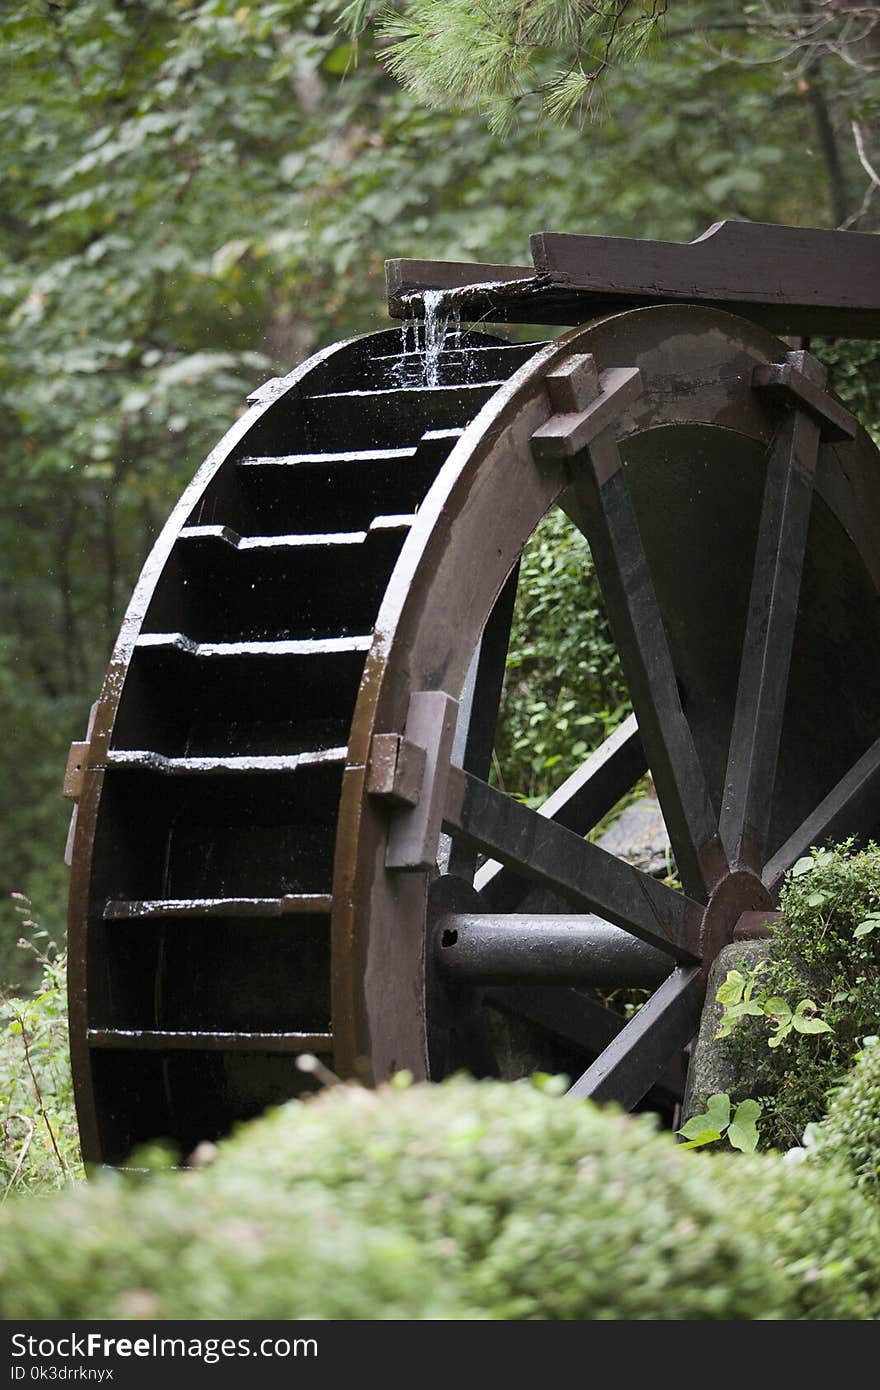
(577, 950)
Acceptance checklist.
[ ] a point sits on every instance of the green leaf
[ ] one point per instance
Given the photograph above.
(864, 928)
(747, 1111)
(716, 1117)
(696, 1126)
(803, 866)
(777, 1007)
(718, 1109)
(811, 1025)
(731, 991)
(743, 1131)
(704, 1136)
(340, 59)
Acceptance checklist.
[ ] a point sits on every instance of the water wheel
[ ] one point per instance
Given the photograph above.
(286, 839)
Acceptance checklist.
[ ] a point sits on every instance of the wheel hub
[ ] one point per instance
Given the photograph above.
(740, 891)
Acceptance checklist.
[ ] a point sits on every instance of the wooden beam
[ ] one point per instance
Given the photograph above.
(794, 280)
(586, 875)
(631, 1064)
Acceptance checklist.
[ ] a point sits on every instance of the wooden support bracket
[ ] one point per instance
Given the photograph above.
(567, 434)
(75, 771)
(800, 381)
(411, 771)
(574, 384)
(397, 769)
(74, 779)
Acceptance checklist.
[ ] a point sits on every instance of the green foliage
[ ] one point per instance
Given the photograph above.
(492, 53)
(850, 1133)
(738, 1000)
(461, 1200)
(854, 373)
(40, 1146)
(565, 53)
(819, 957)
(564, 690)
(741, 1127)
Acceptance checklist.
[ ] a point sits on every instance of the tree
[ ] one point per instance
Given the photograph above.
(573, 56)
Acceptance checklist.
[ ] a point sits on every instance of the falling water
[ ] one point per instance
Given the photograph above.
(436, 329)
(409, 344)
(433, 337)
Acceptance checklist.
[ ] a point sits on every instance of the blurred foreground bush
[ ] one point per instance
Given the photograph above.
(464, 1200)
(850, 1134)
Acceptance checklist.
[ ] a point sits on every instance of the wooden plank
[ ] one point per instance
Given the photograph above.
(166, 1040)
(803, 279)
(795, 387)
(631, 1064)
(151, 761)
(305, 646)
(415, 830)
(566, 435)
(206, 909)
(405, 277)
(478, 710)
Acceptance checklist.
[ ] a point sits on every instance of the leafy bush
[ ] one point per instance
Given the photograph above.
(40, 1146)
(850, 1133)
(853, 373)
(824, 949)
(460, 1200)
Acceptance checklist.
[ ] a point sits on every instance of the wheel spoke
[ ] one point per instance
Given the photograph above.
(600, 504)
(766, 658)
(478, 716)
(633, 1061)
(577, 1018)
(567, 1012)
(846, 810)
(578, 804)
(557, 858)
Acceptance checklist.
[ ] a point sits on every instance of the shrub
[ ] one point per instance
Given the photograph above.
(850, 1133)
(460, 1200)
(40, 1145)
(819, 951)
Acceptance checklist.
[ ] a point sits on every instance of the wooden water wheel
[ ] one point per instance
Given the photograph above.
(286, 841)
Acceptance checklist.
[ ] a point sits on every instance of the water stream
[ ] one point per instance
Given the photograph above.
(439, 330)
(431, 327)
